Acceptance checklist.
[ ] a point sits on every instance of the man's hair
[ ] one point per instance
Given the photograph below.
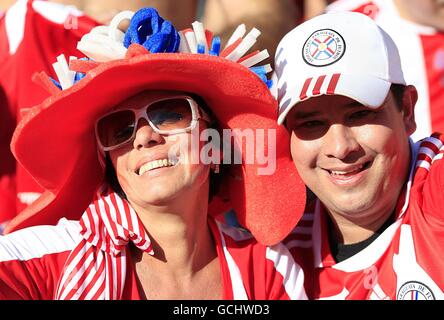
(398, 94)
(215, 178)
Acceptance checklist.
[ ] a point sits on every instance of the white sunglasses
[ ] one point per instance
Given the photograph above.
(166, 116)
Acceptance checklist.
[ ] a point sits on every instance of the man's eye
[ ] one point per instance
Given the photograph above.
(361, 114)
(311, 124)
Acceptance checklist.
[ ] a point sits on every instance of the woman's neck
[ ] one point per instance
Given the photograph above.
(179, 230)
(185, 257)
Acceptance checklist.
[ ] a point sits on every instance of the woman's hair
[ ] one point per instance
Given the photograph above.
(111, 177)
(215, 178)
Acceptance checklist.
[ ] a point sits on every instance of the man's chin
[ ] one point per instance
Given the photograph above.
(351, 207)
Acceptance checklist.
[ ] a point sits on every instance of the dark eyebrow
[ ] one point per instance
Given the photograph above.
(305, 115)
(354, 104)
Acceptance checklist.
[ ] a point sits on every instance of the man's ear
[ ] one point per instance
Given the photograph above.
(409, 100)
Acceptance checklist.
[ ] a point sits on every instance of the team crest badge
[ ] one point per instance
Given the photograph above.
(414, 290)
(323, 48)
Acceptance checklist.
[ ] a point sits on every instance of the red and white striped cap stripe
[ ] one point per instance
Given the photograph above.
(96, 268)
(322, 85)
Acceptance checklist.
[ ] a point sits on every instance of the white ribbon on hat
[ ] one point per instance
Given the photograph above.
(105, 43)
(65, 76)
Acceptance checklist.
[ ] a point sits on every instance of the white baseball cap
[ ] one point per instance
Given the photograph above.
(342, 53)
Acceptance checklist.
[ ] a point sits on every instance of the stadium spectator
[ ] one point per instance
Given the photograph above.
(376, 230)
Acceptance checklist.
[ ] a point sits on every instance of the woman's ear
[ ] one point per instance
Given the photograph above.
(217, 158)
(409, 100)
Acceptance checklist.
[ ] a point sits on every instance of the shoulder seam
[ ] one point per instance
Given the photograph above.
(36, 242)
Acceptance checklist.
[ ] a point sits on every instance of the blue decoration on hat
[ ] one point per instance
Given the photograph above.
(263, 77)
(200, 49)
(215, 46)
(259, 70)
(262, 73)
(57, 84)
(157, 35)
(79, 76)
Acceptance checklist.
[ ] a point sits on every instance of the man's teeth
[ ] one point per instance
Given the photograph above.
(343, 173)
(156, 164)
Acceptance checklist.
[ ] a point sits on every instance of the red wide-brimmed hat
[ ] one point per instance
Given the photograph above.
(56, 144)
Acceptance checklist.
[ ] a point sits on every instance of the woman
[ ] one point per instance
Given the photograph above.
(147, 230)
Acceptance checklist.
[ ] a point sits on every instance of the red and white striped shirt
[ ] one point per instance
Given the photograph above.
(405, 262)
(32, 261)
(32, 34)
(422, 56)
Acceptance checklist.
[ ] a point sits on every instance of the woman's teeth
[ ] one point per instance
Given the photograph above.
(156, 164)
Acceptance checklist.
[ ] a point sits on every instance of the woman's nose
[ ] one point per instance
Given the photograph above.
(145, 135)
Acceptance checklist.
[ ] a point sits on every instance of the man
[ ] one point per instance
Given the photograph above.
(417, 27)
(378, 223)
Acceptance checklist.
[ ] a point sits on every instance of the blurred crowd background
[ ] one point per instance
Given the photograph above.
(34, 32)
(273, 17)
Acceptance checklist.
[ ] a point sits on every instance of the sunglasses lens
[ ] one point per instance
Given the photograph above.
(171, 114)
(116, 128)
(165, 115)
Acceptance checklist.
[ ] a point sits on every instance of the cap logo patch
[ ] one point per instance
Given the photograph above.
(323, 48)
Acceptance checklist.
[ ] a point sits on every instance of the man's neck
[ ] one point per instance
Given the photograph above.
(348, 231)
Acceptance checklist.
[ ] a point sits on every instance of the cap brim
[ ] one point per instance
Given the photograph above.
(55, 142)
(369, 91)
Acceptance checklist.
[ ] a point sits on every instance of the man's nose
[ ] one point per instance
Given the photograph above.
(145, 135)
(340, 142)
